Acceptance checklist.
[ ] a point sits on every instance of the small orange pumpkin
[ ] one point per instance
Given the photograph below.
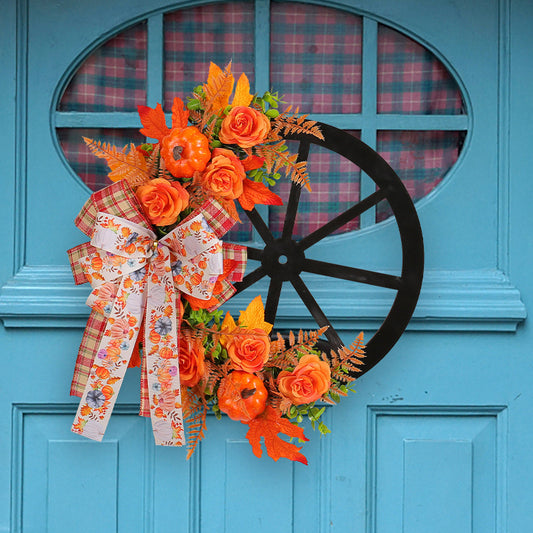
(154, 337)
(166, 353)
(102, 372)
(242, 396)
(96, 262)
(185, 151)
(196, 278)
(107, 391)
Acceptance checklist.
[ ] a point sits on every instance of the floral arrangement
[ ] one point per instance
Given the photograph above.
(160, 271)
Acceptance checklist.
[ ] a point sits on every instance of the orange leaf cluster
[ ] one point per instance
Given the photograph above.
(269, 425)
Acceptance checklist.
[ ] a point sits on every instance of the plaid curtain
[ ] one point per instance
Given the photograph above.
(315, 62)
(112, 78)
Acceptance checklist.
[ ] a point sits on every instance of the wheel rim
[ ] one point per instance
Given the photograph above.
(283, 259)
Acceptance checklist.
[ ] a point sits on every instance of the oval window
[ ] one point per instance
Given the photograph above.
(393, 93)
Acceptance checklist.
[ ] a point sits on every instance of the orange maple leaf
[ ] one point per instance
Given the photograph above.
(228, 325)
(180, 114)
(254, 316)
(153, 121)
(252, 162)
(268, 425)
(254, 192)
(219, 86)
(242, 96)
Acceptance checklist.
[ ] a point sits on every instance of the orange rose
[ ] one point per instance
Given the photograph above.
(307, 382)
(224, 175)
(249, 350)
(245, 127)
(162, 200)
(192, 361)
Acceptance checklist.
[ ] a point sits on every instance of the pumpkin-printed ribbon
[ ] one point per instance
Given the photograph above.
(134, 278)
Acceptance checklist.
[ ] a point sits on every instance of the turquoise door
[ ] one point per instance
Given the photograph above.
(438, 436)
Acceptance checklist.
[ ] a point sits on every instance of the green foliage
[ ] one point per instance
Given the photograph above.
(310, 411)
(204, 317)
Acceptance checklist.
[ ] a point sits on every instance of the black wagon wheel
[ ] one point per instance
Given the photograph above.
(283, 259)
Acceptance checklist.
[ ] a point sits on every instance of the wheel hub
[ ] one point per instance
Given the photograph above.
(282, 259)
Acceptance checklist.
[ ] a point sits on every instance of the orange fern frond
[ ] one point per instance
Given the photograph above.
(194, 415)
(294, 124)
(345, 362)
(276, 158)
(130, 166)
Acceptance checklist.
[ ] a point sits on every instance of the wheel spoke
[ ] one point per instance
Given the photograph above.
(320, 318)
(254, 253)
(359, 275)
(260, 226)
(271, 306)
(292, 210)
(250, 279)
(294, 197)
(343, 218)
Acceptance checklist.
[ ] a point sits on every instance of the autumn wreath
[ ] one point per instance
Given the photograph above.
(159, 272)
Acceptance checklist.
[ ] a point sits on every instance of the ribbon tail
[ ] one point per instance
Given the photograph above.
(162, 359)
(111, 361)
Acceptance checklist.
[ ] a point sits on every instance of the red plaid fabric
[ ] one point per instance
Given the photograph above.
(236, 254)
(228, 290)
(74, 256)
(316, 57)
(215, 215)
(218, 32)
(420, 158)
(113, 77)
(89, 343)
(117, 199)
(411, 79)
(92, 170)
(144, 408)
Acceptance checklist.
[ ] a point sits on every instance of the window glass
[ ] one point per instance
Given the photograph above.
(112, 78)
(315, 57)
(193, 37)
(412, 80)
(316, 62)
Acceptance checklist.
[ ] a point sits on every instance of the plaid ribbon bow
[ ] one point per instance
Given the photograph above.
(129, 269)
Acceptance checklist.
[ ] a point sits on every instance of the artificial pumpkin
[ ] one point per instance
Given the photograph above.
(185, 151)
(242, 396)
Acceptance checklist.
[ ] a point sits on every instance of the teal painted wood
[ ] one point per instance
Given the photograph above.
(454, 392)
